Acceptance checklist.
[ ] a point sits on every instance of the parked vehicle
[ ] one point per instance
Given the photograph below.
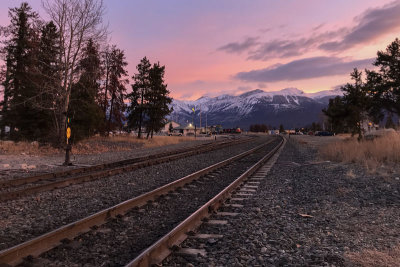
(175, 134)
(324, 133)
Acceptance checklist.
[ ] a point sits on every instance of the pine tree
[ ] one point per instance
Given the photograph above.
(337, 114)
(106, 65)
(112, 95)
(86, 113)
(389, 122)
(48, 82)
(19, 111)
(141, 86)
(357, 101)
(5, 82)
(157, 99)
(387, 80)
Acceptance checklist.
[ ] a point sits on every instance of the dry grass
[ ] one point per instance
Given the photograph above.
(25, 148)
(101, 144)
(376, 258)
(93, 145)
(151, 142)
(373, 154)
(166, 140)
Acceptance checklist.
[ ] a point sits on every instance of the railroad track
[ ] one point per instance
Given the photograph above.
(19, 187)
(134, 226)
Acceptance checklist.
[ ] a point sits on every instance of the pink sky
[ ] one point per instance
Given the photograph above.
(213, 47)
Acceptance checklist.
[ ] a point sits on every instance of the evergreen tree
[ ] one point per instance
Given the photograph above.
(140, 88)
(386, 82)
(106, 65)
(157, 99)
(357, 101)
(116, 88)
(87, 115)
(19, 111)
(389, 122)
(258, 128)
(337, 114)
(5, 82)
(315, 127)
(48, 82)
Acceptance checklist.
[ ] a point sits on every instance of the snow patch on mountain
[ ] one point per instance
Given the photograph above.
(256, 105)
(244, 103)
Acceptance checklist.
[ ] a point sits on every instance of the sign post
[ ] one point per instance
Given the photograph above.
(68, 147)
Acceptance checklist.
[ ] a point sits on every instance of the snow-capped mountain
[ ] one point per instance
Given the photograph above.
(290, 107)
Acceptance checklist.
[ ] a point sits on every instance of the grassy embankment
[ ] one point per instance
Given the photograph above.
(382, 151)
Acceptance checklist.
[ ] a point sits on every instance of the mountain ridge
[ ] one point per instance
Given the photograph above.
(289, 106)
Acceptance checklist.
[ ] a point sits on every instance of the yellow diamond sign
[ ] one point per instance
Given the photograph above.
(68, 132)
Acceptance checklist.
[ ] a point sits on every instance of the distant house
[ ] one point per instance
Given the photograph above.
(186, 130)
(166, 127)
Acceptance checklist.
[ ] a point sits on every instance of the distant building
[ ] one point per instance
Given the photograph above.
(273, 132)
(166, 127)
(185, 130)
(214, 129)
(369, 127)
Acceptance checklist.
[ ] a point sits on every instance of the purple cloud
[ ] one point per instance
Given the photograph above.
(289, 48)
(239, 47)
(306, 68)
(373, 24)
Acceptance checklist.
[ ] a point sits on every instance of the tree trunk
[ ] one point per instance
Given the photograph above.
(140, 118)
(106, 91)
(111, 111)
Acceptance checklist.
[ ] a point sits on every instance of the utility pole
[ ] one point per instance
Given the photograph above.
(206, 125)
(200, 118)
(193, 116)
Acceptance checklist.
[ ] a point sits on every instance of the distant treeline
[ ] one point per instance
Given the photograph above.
(63, 73)
(259, 128)
(370, 98)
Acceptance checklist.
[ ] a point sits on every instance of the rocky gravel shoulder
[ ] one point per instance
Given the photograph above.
(306, 212)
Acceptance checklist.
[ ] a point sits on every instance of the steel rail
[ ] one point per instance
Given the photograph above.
(43, 243)
(52, 175)
(162, 248)
(105, 173)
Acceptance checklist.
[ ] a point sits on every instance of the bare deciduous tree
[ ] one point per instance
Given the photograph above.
(77, 22)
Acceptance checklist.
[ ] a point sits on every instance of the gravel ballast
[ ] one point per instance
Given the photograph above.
(120, 240)
(28, 217)
(305, 212)
(26, 165)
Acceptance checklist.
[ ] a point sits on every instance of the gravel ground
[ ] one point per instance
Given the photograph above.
(63, 177)
(305, 213)
(24, 165)
(29, 217)
(120, 240)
